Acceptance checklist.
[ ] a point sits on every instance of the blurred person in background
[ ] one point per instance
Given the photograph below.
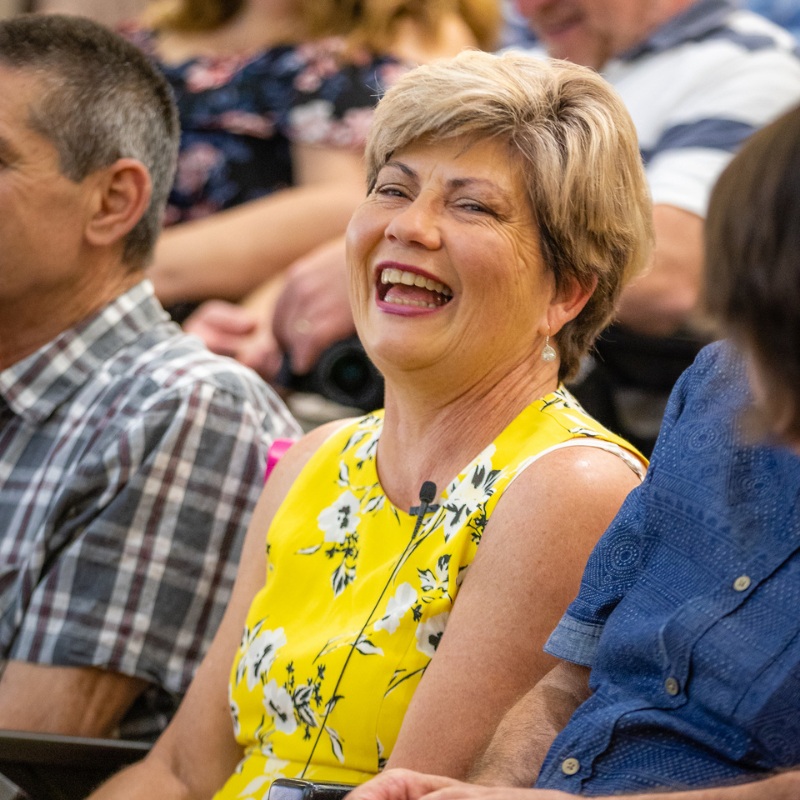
(275, 98)
(507, 207)
(680, 671)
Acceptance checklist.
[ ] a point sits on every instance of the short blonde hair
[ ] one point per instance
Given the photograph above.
(579, 154)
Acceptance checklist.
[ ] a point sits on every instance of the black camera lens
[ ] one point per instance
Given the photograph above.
(349, 372)
(343, 374)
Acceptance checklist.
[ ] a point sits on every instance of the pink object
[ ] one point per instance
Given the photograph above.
(277, 450)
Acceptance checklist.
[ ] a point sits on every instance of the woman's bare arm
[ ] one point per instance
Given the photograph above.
(527, 570)
(229, 254)
(198, 752)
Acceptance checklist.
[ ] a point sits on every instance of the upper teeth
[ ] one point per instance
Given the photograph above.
(392, 275)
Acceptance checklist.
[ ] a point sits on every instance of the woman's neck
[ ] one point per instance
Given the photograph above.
(433, 434)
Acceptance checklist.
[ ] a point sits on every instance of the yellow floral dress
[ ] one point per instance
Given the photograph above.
(335, 547)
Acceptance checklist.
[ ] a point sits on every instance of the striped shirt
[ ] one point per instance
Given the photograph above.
(131, 459)
(697, 88)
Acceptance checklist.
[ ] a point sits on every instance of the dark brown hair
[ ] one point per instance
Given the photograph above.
(753, 265)
(101, 100)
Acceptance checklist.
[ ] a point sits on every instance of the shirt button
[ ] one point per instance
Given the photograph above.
(569, 766)
(672, 686)
(742, 583)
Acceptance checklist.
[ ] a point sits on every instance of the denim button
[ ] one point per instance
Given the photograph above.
(569, 766)
(742, 583)
(672, 686)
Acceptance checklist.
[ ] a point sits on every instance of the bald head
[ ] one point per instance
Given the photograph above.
(589, 32)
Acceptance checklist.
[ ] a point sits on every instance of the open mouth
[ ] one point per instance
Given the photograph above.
(405, 288)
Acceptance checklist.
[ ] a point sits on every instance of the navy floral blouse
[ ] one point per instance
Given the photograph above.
(240, 114)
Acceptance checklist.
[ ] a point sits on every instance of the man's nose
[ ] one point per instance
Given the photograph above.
(529, 7)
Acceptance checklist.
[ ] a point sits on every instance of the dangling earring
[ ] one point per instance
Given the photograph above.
(548, 352)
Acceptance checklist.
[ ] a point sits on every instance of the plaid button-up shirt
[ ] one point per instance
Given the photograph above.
(131, 459)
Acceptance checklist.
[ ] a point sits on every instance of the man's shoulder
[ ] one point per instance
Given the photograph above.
(713, 391)
(709, 452)
(170, 362)
(741, 41)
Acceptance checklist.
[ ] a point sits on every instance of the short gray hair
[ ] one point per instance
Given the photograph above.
(579, 155)
(102, 100)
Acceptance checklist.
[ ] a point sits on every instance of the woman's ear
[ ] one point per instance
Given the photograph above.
(122, 196)
(567, 303)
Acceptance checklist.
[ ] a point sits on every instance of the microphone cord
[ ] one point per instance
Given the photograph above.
(427, 494)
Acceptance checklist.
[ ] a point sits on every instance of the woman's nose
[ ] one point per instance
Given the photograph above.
(417, 224)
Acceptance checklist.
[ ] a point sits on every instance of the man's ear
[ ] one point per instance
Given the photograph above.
(568, 303)
(122, 196)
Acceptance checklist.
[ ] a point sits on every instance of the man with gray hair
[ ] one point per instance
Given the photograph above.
(130, 457)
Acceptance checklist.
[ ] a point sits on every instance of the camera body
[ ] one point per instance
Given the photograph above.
(343, 373)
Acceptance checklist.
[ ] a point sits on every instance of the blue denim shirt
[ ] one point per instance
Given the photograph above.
(689, 610)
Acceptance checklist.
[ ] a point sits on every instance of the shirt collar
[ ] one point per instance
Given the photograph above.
(36, 386)
(694, 23)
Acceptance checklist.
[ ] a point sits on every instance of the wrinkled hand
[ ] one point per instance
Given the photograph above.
(403, 784)
(230, 330)
(313, 311)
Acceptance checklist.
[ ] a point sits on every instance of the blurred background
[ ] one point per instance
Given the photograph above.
(108, 11)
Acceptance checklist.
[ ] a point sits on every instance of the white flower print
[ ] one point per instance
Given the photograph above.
(278, 703)
(429, 633)
(311, 122)
(431, 583)
(259, 649)
(397, 607)
(237, 728)
(367, 447)
(341, 518)
(273, 769)
(464, 496)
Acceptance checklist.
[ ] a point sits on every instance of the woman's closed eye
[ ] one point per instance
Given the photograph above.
(475, 207)
(392, 190)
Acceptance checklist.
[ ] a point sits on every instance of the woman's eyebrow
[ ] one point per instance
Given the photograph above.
(460, 183)
(404, 168)
(453, 183)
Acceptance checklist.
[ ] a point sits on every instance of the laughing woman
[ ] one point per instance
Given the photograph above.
(506, 209)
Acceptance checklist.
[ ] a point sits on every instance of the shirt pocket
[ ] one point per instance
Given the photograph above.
(746, 667)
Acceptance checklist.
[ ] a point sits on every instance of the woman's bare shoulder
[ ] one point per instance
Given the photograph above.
(577, 489)
(299, 454)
